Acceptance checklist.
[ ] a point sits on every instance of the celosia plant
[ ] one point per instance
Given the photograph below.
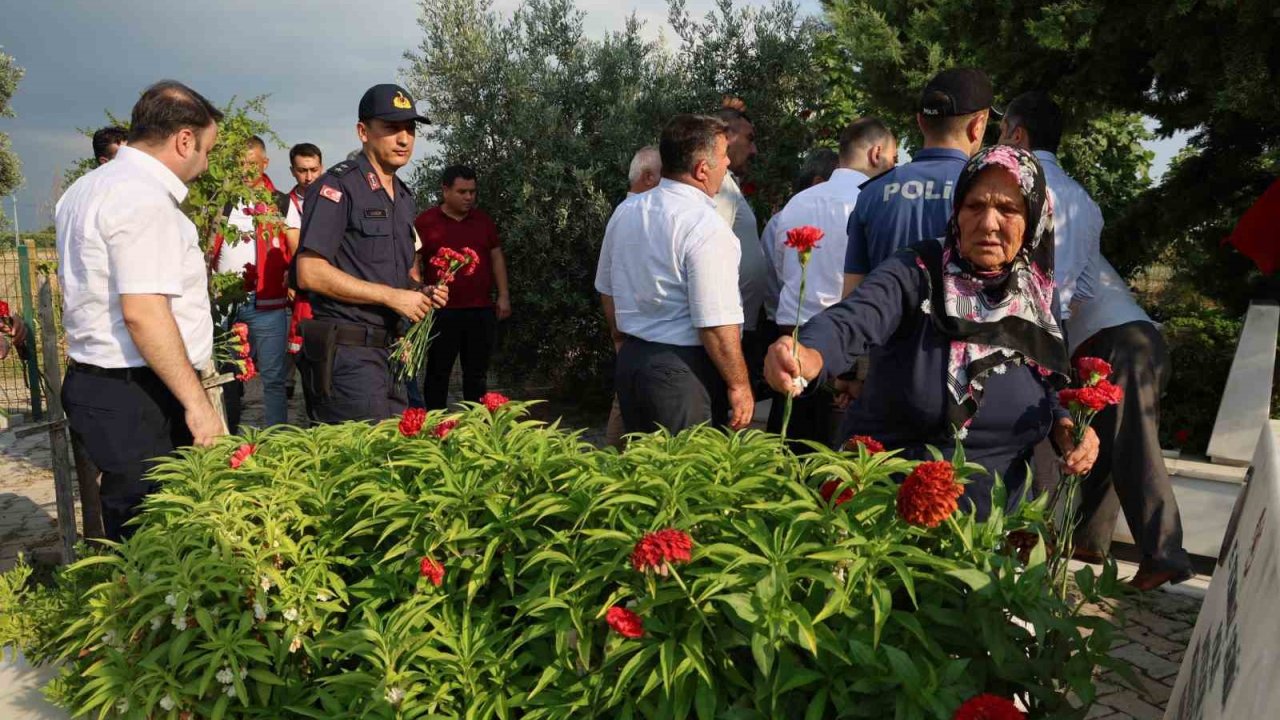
(359, 571)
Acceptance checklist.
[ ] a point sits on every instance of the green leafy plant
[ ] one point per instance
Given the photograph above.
(476, 565)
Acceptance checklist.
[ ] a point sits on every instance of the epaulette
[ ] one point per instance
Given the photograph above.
(342, 168)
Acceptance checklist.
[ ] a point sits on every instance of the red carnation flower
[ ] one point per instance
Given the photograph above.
(929, 494)
(624, 622)
(1182, 437)
(872, 445)
(260, 209)
(803, 240)
(473, 260)
(443, 428)
(1092, 369)
(493, 400)
(432, 570)
(829, 488)
(1067, 397)
(1112, 393)
(241, 330)
(411, 421)
(658, 549)
(241, 454)
(4, 311)
(248, 370)
(988, 707)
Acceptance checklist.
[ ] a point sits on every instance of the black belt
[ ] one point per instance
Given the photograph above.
(362, 335)
(129, 374)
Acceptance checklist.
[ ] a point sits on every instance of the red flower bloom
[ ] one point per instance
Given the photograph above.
(1182, 437)
(929, 494)
(432, 570)
(872, 445)
(624, 622)
(988, 707)
(829, 488)
(656, 549)
(250, 281)
(411, 421)
(493, 400)
(248, 370)
(4, 310)
(1089, 367)
(1092, 398)
(443, 428)
(1112, 393)
(803, 239)
(472, 261)
(240, 329)
(260, 209)
(241, 454)
(295, 344)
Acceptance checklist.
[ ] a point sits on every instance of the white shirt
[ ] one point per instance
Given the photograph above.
(671, 266)
(769, 243)
(733, 207)
(826, 206)
(1077, 229)
(293, 216)
(1110, 304)
(120, 232)
(237, 252)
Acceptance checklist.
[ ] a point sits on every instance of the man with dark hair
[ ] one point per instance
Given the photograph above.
(1103, 320)
(667, 278)
(356, 261)
(107, 141)
(913, 201)
(260, 245)
(467, 325)
(136, 301)
(867, 149)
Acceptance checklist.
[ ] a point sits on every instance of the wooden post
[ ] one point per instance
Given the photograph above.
(90, 499)
(59, 448)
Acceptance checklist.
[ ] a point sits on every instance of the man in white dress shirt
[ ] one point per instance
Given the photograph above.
(668, 281)
(867, 149)
(135, 300)
(1104, 321)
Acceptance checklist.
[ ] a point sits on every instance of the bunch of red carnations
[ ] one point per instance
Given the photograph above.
(410, 351)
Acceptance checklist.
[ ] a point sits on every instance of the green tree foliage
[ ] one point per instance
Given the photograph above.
(10, 166)
(550, 119)
(1206, 67)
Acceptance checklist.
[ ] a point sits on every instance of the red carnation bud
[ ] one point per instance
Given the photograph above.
(248, 370)
(1092, 369)
(872, 445)
(411, 422)
(624, 622)
(432, 571)
(443, 428)
(241, 454)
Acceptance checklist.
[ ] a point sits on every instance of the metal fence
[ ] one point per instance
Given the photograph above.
(22, 269)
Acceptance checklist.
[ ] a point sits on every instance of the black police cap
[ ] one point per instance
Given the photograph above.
(958, 91)
(391, 103)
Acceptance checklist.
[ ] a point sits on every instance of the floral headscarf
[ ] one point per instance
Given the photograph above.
(996, 319)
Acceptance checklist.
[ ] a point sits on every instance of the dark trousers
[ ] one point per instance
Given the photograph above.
(1130, 474)
(124, 425)
(669, 386)
(812, 418)
(362, 388)
(459, 331)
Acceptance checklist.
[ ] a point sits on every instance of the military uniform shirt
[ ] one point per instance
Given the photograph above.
(349, 220)
(908, 204)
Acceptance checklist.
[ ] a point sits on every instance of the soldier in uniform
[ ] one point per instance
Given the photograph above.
(356, 259)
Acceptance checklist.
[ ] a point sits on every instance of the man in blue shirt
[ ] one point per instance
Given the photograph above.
(913, 201)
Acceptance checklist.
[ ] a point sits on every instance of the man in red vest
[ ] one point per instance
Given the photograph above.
(263, 246)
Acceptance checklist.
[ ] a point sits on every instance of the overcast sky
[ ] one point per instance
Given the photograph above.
(313, 58)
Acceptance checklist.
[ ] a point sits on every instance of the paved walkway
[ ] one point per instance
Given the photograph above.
(1157, 625)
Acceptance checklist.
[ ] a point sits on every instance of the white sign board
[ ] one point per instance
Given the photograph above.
(1230, 668)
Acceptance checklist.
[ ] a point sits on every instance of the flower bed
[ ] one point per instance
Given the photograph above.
(504, 568)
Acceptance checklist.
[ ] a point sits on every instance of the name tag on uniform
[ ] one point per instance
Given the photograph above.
(376, 213)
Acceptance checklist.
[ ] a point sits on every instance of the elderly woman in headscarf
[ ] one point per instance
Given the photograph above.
(961, 331)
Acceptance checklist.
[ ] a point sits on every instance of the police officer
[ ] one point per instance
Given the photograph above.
(913, 201)
(356, 259)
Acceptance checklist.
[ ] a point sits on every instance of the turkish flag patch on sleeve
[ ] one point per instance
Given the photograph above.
(331, 193)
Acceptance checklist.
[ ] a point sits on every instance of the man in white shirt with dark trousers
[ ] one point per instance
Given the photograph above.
(135, 300)
(668, 280)
(867, 149)
(1103, 320)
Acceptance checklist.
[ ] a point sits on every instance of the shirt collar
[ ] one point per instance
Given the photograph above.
(1044, 156)
(687, 190)
(939, 153)
(848, 175)
(156, 169)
